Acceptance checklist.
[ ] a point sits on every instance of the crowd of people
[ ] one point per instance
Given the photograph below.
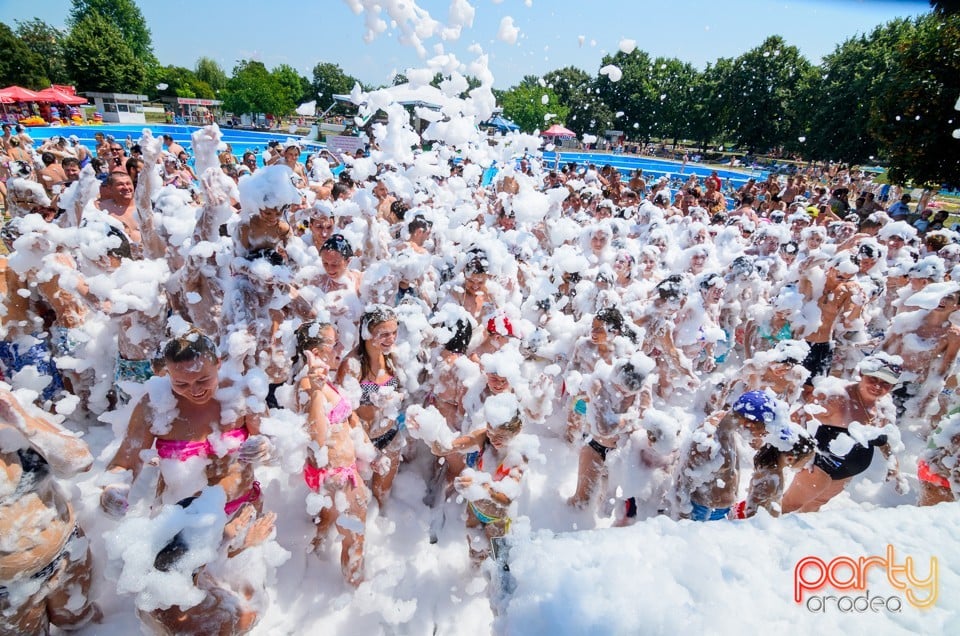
(236, 316)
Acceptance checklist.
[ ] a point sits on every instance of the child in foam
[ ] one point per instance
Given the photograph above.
(496, 458)
(795, 448)
(335, 435)
(45, 564)
(600, 346)
(182, 416)
(618, 397)
(709, 473)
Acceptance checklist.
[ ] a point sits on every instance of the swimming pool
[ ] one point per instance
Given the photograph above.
(244, 140)
(240, 140)
(653, 169)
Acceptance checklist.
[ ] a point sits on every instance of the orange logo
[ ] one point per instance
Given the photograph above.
(813, 574)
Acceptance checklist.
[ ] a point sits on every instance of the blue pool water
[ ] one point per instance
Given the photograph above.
(239, 140)
(653, 169)
(243, 140)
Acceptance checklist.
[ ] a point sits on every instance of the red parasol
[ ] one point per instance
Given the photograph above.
(53, 95)
(558, 131)
(20, 94)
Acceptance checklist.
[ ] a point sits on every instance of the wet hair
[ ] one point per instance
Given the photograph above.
(769, 455)
(742, 266)
(710, 280)
(461, 337)
(47, 158)
(935, 242)
(418, 223)
(513, 425)
(376, 315)
(272, 256)
(339, 244)
(611, 318)
(399, 208)
(122, 250)
(630, 376)
(790, 247)
(170, 554)
(308, 336)
(476, 263)
(338, 190)
(192, 345)
(671, 288)
(868, 250)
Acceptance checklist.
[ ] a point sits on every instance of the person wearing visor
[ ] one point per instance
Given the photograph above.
(859, 417)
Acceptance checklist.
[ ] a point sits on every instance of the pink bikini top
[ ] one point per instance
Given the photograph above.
(184, 449)
(341, 410)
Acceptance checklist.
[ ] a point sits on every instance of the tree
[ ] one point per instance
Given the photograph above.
(329, 80)
(914, 116)
(576, 90)
(525, 106)
(209, 72)
(844, 92)
(179, 82)
(673, 82)
(125, 16)
(633, 94)
(709, 115)
(46, 42)
(765, 82)
(253, 89)
(99, 59)
(288, 87)
(18, 64)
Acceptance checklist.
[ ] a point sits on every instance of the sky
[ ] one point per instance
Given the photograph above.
(552, 33)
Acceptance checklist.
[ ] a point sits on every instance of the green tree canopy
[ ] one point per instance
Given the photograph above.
(253, 89)
(633, 95)
(289, 89)
(18, 64)
(125, 16)
(329, 80)
(844, 93)
(914, 116)
(576, 90)
(46, 42)
(672, 84)
(179, 82)
(763, 86)
(209, 72)
(99, 59)
(524, 105)
(709, 108)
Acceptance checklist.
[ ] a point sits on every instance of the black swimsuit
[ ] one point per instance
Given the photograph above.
(856, 460)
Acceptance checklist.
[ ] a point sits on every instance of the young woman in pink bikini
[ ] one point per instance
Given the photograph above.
(331, 467)
(372, 365)
(189, 426)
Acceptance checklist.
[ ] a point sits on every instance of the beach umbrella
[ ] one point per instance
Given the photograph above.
(19, 94)
(53, 95)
